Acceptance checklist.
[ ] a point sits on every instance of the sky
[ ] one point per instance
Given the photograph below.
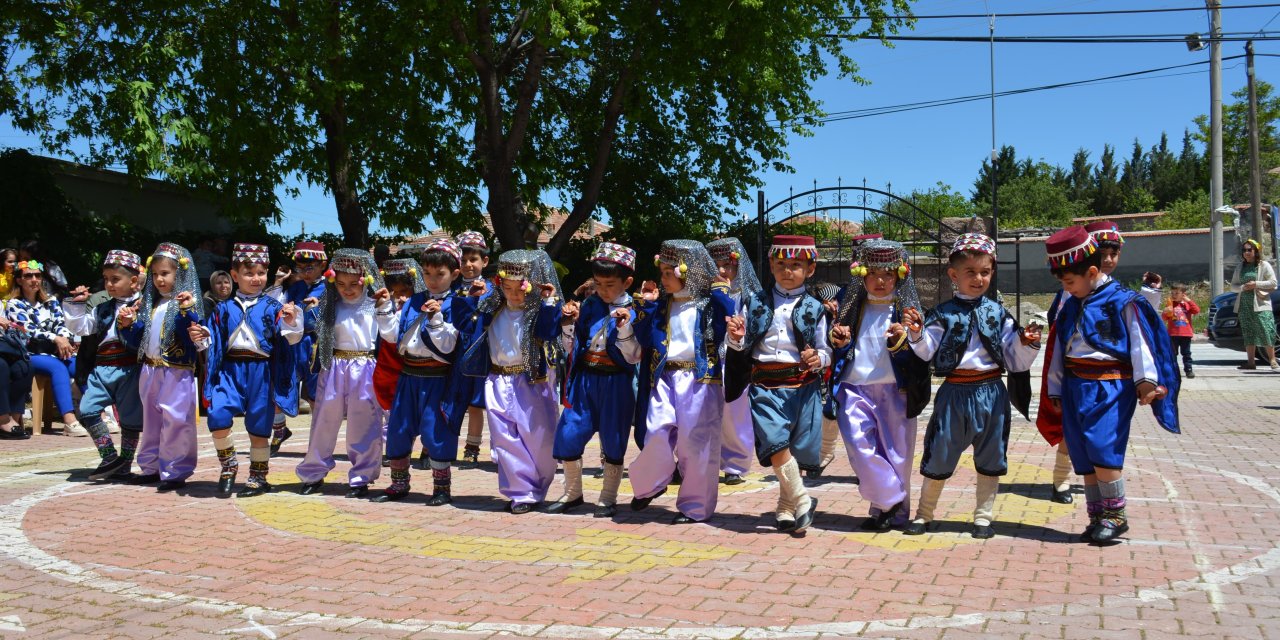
(919, 148)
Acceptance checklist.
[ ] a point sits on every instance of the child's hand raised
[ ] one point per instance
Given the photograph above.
(569, 312)
(197, 332)
(548, 290)
(736, 327)
(911, 320)
(477, 288)
(431, 307)
(831, 306)
(1031, 334)
(289, 313)
(840, 336)
(649, 290)
(622, 316)
(895, 333)
(185, 300)
(310, 301)
(282, 274)
(80, 294)
(126, 315)
(380, 295)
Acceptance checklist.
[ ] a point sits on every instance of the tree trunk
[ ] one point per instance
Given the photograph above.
(355, 225)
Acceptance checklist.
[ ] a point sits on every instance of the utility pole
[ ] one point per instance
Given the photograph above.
(1255, 171)
(1215, 148)
(995, 210)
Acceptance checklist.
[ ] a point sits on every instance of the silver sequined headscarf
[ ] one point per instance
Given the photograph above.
(694, 264)
(745, 284)
(186, 279)
(535, 267)
(353, 262)
(405, 267)
(879, 254)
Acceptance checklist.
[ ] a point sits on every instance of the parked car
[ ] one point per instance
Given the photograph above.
(1224, 322)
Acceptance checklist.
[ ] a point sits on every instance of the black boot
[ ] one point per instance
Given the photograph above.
(278, 438)
(440, 490)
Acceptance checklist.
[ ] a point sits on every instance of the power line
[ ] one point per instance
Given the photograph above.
(1159, 39)
(853, 114)
(1043, 14)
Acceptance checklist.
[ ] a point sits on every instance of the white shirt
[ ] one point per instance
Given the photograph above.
(1017, 356)
(682, 324)
(82, 321)
(154, 347)
(506, 337)
(779, 341)
(1140, 357)
(871, 361)
(442, 334)
(354, 330)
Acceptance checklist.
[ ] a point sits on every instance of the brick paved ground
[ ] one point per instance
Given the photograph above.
(94, 561)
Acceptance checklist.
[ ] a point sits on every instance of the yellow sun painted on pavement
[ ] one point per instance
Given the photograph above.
(592, 553)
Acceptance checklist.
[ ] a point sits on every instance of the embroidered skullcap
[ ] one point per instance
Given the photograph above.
(473, 240)
(251, 253)
(446, 245)
(1105, 231)
(1069, 246)
(122, 258)
(794, 247)
(615, 253)
(309, 251)
(979, 242)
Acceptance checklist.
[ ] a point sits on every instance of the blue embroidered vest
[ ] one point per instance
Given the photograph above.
(959, 318)
(759, 317)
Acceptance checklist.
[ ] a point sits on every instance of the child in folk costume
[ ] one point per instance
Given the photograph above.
(880, 384)
(403, 279)
(737, 443)
(167, 382)
(972, 341)
(249, 342)
(470, 391)
(427, 338)
(778, 345)
(354, 313)
(599, 335)
(519, 365)
(682, 330)
(302, 286)
(1112, 353)
(114, 380)
(1048, 417)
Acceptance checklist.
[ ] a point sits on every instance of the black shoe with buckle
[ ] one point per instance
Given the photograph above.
(310, 488)
(982, 531)
(638, 504)
(226, 481)
(1062, 497)
(882, 521)
(170, 485)
(731, 479)
(564, 506)
(805, 519)
(358, 491)
(520, 508)
(917, 528)
(392, 495)
(276, 442)
(606, 510)
(440, 498)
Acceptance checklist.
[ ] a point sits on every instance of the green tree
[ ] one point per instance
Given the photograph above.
(1235, 143)
(403, 111)
(1166, 183)
(1188, 212)
(1035, 200)
(1006, 169)
(1080, 179)
(1108, 197)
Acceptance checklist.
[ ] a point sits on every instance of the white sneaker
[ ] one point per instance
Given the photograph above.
(109, 419)
(75, 430)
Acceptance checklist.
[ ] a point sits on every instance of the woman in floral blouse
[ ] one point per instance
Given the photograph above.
(48, 339)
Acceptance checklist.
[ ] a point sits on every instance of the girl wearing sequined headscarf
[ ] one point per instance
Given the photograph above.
(167, 381)
(354, 313)
(738, 441)
(513, 345)
(682, 331)
(880, 385)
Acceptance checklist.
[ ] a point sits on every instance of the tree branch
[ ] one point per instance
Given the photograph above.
(526, 92)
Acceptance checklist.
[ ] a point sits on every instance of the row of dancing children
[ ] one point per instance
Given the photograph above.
(768, 346)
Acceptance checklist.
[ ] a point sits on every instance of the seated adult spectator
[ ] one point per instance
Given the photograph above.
(8, 260)
(15, 380)
(48, 340)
